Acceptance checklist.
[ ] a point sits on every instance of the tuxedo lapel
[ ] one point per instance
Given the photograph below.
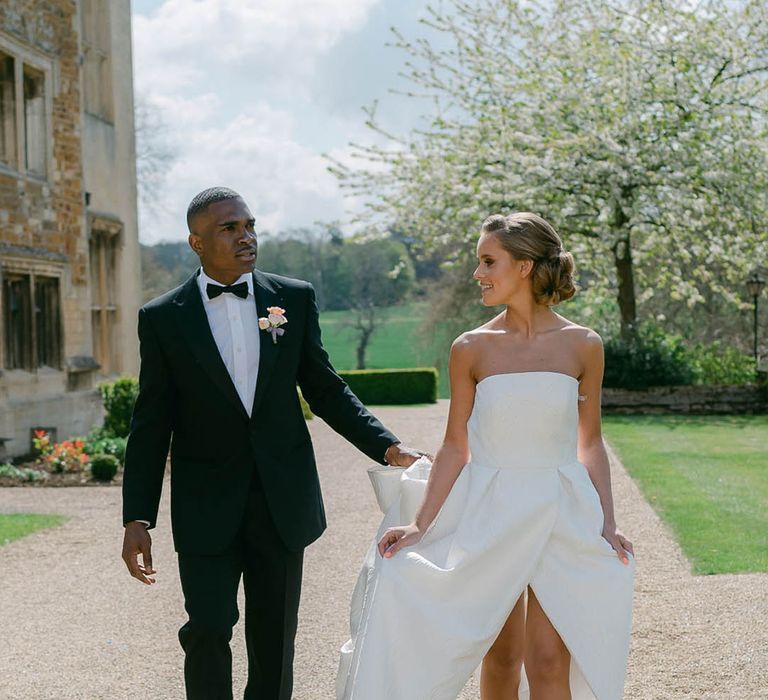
(266, 295)
(193, 322)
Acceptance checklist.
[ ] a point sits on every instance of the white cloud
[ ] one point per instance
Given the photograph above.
(234, 28)
(234, 82)
(285, 184)
(180, 112)
(184, 39)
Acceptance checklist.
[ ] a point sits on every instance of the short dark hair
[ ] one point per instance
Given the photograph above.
(202, 200)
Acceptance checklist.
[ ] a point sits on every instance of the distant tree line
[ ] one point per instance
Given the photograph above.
(347, 272)
(360, 274)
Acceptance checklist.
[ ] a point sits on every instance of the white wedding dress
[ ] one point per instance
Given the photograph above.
(523, 512)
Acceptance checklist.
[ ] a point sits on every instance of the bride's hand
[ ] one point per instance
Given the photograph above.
(396, 538)
(620, 544)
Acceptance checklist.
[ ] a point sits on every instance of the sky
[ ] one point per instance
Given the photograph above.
(253, 93)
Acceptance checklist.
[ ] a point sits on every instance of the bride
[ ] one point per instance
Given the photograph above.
(513, 556)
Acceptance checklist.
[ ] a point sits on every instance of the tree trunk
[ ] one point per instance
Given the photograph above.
(625, 276)
(625, 273)
(362, 347)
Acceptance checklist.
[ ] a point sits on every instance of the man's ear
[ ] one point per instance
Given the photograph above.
(195, 243)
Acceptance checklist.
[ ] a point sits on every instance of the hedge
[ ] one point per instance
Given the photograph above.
(393, 386)
(652, 357)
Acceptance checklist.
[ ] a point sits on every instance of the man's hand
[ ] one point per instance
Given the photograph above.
(399, 455)
(136, 540)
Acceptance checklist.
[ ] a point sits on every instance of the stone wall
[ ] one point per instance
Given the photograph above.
(47, 215)
(109, 173)
(71, 414)
(45, 219)
(687, 400)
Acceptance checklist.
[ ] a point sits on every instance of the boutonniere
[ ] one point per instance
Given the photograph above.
(272, 322)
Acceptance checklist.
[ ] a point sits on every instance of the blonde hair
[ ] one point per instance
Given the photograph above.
(526, 236)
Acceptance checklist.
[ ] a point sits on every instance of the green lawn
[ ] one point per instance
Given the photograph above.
(399, 342)
(707, 477)
(16, 525)
(404, 341)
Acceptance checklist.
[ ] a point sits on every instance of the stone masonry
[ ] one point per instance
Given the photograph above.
(44, 221)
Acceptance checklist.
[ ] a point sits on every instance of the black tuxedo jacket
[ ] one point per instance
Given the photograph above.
(187, 399)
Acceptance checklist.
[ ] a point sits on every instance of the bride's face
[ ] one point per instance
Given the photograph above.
(499, 274)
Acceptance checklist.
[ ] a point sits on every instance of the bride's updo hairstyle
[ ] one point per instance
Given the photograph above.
(526, 236)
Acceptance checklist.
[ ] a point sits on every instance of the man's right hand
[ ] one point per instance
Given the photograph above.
(136, 540)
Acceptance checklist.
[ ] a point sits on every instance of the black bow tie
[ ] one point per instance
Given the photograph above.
(239, 290)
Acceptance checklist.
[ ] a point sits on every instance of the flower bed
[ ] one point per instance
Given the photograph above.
(66, 463)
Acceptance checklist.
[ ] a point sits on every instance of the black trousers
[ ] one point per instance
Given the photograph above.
(272, 582)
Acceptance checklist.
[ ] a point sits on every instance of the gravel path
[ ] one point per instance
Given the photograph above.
(73, 624)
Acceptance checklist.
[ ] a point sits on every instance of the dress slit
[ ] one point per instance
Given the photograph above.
(576, 670)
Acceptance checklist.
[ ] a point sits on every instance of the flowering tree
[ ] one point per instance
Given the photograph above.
(638, 127)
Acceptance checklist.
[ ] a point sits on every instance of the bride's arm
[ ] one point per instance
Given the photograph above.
(591, 448)
(450, 458)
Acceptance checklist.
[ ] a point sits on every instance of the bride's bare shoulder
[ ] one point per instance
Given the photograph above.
(471, 339)
(466, 349)
(583, 338)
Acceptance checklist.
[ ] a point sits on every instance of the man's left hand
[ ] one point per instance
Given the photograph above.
(399, 455)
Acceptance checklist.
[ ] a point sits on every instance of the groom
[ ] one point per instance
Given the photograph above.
(218, 384)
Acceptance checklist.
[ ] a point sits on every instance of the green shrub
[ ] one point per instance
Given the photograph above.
(393, 386)
(717, 363)
(97, 443)
(104, 467)
(119, 397)
(22, 473)
(655, 358)
(650, 358)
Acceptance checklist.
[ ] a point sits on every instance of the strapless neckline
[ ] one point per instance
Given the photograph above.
(534, 372)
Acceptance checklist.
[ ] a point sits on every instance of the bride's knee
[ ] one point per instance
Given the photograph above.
(504, 660)
(499, 666)
(546, 662)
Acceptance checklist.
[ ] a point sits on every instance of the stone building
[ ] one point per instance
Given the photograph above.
(69, 252)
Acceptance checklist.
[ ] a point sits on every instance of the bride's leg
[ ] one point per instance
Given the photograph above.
(500, 673)
(547, 661)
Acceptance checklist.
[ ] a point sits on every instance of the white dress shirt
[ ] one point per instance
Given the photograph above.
(234, 323)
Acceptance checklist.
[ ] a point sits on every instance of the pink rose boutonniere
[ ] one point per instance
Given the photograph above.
(273, 321)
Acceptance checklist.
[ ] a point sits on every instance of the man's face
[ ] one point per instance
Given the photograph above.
(224, 238)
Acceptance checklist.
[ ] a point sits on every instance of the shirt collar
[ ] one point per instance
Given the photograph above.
(204, 280)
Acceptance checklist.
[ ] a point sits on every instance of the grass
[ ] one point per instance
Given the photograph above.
(399, 342)
(14, 526)
(707, 477)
